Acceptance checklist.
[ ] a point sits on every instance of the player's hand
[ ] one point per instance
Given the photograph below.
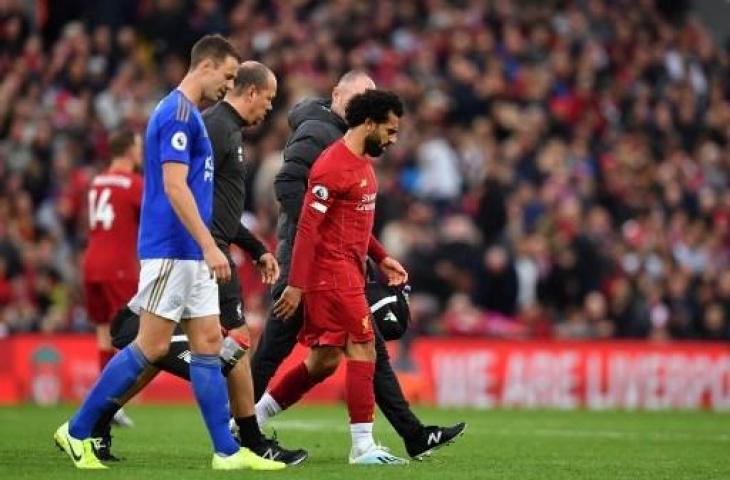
(217, 263)
(394, 271)
(268, 267)
(288, 303)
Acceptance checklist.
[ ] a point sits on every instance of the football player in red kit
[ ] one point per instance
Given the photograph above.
(328, 271)
(110, 265)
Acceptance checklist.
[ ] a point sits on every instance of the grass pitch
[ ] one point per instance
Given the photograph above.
(169, 442)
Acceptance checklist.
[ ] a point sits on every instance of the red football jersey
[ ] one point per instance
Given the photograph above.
(334, 234)
(115, 199)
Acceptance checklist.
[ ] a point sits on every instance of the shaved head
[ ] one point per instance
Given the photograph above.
(350, 84)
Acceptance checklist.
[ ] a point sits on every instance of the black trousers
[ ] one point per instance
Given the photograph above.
(278, 340)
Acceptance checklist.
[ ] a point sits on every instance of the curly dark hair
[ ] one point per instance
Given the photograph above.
(374, 105)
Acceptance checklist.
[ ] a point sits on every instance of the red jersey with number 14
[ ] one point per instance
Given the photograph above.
(334, 233)
(114, 202)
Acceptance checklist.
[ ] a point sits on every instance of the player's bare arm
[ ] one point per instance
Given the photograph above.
(182, 201)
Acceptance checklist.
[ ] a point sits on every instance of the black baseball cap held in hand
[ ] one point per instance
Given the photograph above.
(388, 305)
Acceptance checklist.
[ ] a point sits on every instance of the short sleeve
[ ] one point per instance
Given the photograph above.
(175, 140)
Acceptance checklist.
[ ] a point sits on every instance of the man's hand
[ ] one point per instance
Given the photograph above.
(394, 271)
(217, 263)
(268, 268)
(287, 304)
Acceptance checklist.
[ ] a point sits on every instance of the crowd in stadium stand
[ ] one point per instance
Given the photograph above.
(562, 171)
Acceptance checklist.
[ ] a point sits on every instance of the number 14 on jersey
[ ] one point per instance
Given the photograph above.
(100, 209)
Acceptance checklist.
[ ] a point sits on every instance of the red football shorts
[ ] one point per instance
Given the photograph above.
(104, 299)
(331, 317)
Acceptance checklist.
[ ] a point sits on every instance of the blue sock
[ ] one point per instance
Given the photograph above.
(119, 375)
(211, 393)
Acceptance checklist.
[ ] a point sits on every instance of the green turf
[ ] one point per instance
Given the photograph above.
(170, 443)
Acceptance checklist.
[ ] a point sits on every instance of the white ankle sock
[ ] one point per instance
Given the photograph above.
(362, 437)
(266, 408)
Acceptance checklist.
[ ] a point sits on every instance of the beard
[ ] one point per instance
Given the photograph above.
(373, 147)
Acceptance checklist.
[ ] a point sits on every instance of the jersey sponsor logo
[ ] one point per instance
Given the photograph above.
(179, 141)
(208, 176)
(434, 437)
(321, 192)
(367, 202)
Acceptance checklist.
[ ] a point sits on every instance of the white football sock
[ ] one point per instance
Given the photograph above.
(362, 438)
(266, 408)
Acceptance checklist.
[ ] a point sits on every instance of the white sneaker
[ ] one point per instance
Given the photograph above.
(121, 419)
(376, 455)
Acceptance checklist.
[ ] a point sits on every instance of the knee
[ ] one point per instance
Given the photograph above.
(323, 367)
(153, 349)
(207, 343)
(361, 351)
(329, 365)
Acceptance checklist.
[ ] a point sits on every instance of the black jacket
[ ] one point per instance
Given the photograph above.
(224, 126)
(314, 128)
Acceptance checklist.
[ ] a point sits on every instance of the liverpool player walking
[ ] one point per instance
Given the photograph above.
(110, 267)
(328, 271)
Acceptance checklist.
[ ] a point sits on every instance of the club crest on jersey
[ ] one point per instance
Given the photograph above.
(179, 141)
(240, 154)
(321, 192)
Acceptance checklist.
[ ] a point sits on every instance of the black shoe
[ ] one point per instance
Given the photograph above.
(271, 449)
(432, 438)
(103, 449)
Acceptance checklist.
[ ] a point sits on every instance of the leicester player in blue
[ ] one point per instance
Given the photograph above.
(180, 264)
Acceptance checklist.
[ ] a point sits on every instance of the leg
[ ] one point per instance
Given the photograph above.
(360, 351)
(389, 396)
(122, 372)
(104, 344)
(99, 309)
(419, 440)
(276, 343)
(240, 391)
(207, 380)
(320, 363)
(359, 394)
(102, 430)
(361, 406)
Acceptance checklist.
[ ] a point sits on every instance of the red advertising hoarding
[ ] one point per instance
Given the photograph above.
(449, 372)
